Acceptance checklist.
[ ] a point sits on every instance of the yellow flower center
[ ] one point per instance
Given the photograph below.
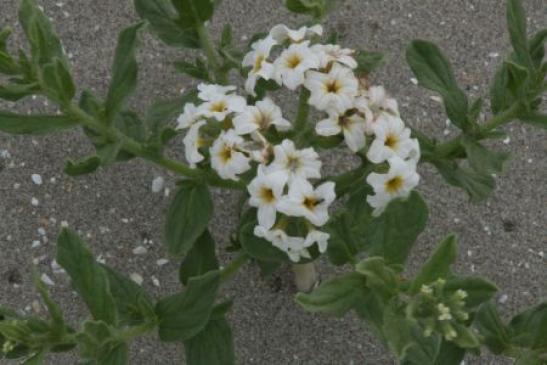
(293, 61)
(310, 202)
(258, 63)
(225, 154)
(391, 141)
(267, 195)
(394, 185)
(219, 106)
(293, 163)
(333, 86)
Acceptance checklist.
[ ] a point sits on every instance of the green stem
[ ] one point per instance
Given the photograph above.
(130, 333)
(212, 54)
(137, 149)
(233, 267)
(303, 111)
(453, 146)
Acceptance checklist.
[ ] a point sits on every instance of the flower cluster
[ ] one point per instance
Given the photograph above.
(281, 172)
(439, 311)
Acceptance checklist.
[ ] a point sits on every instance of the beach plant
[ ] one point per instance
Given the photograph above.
(366, 218)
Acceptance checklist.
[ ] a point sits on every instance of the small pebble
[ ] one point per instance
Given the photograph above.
(155, 281)
(41, 231)
(37, 179)
(34, 202)
(136, 278)
(36, 244)
(414, 81)
(140, 250)
(157, 184)
(162, 262)
(503, 299)
(47, 280)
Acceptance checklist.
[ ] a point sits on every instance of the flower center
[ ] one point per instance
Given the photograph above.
(391, 141)
(225, 154)
(219, 106)
(267, 194)
(310, 202)
(333, 86)
(394, 185)
(262, 120)
(258, 63)
(293, 163)
(293, 61)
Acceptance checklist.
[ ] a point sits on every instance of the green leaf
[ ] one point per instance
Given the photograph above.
(82, 167)
(535, 119)
(58, 82)
(57, 321)
(194, 12)
(132, 302)
(213, 345)
(5, 33)
(34, 124)
(481, 159)
(201, 258)
(518, 81)
(491, 327)
(124, 71)
(393, 234)
(44, 44)
(449, 354)
(184, 315)
(188, 217)
(529, 328)
(537, 47)
(516, 22)
(99, 345)
(342, 246)
(315, 8)
(434, 72)
(88, 277)
(466, 338)
(438, 265)
(380, 278)
(227, 37)
(368, 61)
(37, 359)
(15, 92)
(164, 23)
(196, 70)
(258, 247)
(529, 358)
(479, 186)
(500, 96)
(119, 355)
(8, 66)
(335, 296)
(478, 290)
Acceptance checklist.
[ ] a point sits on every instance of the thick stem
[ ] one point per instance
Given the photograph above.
(305, 276)
(212, 54)
(233, 267)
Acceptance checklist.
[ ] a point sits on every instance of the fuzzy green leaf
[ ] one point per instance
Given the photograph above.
(15, 92)
(516, 22)
(479, 186)
(335, 296)
(188, 217)
(380, 278)
(367, 61)
(58, 82)
(164, 23)
(535, 119)
(82, 167)
(529, 328)
(434, 72)
(201, 258)
(88, 277)
(491, 327)
(479, 290)
(184, 315)
(438, 265)
(124, 71)
(196, 70)
(258, 247)
(537, 47)
(481, 159)
(34, 124)
(393, 234)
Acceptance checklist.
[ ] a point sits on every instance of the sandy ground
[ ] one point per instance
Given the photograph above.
(504, 239)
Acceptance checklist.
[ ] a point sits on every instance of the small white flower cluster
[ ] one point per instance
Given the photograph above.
(236, 135)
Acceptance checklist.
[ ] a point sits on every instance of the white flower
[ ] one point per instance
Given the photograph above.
(280, 33)
(210, 92)
(376, 100)
(260, 117)
(328, 53)
(221, 105)
(315, 236)
(257, 59)
(335, 90)
(190, 116)
(192, 142)
(305, 201)
(352, 125)
(266, 190)
(293, 246)
(291, 65)
(392, 138)
(297, 164)
(226, 159)
(398, 182)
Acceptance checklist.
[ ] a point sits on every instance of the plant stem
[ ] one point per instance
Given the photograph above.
(233, 267)
(133, 332)
(305, 276)
(446, 149)
(212, 54)
(303, 112)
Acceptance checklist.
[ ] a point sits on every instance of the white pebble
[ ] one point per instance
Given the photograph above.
(155, 281)
(34, 202)
(140, 250)
(41, 231)
(37, 179)
(503, 299)
(47, 280)
(157, 184)
(507, 140)
(414, 81)
(136, 278)
(36, 244)
(64, 224)
(162, 262)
